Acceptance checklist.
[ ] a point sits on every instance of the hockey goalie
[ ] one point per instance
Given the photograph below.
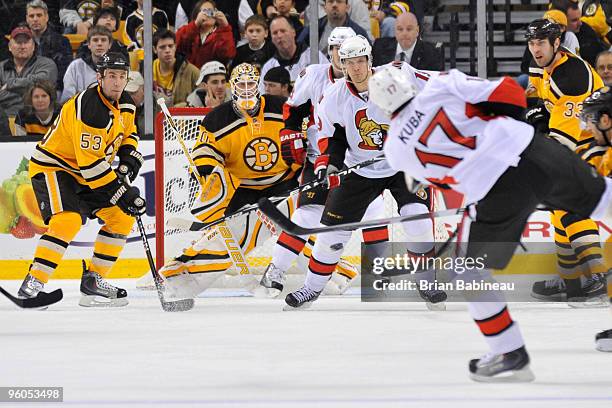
(238, 161)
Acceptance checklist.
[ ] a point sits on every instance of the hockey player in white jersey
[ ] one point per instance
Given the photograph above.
(462, 132)
(351, 130)
(297, 148)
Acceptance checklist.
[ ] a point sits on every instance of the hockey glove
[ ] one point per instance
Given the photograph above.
(293, 146)
(325, 171)
(538, 117)
(130, 162)
(128, 199)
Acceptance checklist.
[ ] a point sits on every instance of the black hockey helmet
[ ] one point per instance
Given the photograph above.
(543, 28)
(596, 104)
(113, 60)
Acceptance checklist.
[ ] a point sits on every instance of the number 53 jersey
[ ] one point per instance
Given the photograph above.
(85, 138)
(445, 135)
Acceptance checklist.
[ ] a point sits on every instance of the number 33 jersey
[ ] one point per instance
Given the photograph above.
(85, 137)
(443, 137)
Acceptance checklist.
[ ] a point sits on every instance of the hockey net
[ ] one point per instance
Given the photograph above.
(176, 190)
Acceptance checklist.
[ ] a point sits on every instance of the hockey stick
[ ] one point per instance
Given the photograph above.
(274, 214)
(173, 306)
(183, 224)
(42, 299)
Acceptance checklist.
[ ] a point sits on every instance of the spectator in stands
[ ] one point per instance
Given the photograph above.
(289, 55)
(82, 71)
(134, 25)
(408, 46)
(21, 69)
(5, 128)
(259, 48)
(277, 82)
(173, 76)
(49, 43)
(590, 43)
(387, 14)
(39, 111)
(211, 88)
(603, 66)
(135, 87)
(358, 12)
(208, 37)
(77, 15)
(106, 17)
(337, 16)
(285, 8)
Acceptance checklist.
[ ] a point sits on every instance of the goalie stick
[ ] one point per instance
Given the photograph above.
(43, 299)
(189, 225)
(277, 217)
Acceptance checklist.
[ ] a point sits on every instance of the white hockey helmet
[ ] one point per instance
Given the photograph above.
(354, 47)
(389, 88)
(338, 35)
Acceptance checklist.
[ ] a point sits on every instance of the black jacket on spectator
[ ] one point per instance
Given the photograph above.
(590, 43)
(5, 129)
(258, 57)
(304, 37)
(425, 55)
(57, 47)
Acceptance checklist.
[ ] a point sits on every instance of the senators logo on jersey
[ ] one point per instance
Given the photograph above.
(373, 134)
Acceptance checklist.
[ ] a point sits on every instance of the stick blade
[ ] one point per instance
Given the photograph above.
(43, 299)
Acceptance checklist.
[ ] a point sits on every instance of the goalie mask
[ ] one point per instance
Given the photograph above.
(244, 83)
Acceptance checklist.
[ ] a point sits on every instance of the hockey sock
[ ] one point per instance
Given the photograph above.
(419, 234)
(584, 238)
(110, 240)
(63, 227)
(325, 256)
(288, 247)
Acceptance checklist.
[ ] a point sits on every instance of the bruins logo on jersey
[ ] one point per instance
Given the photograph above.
(372, 134)
(261, 154)
(87, 9)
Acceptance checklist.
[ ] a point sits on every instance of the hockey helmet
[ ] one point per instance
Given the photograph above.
(543, 28)
(598, 103)
(113, 60)
(354, 47)
(244, 84)
(336, 38)
(390, 88)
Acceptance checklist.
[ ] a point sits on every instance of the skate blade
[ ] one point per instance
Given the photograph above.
(553, 298)
(604, 345)
(100, 301)
(596, 302)
(436, 307)
(512, 376)
(304, 306)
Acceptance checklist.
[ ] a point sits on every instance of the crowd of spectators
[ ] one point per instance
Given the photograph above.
(53, 46)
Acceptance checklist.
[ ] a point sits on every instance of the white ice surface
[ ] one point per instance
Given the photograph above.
(240, 351)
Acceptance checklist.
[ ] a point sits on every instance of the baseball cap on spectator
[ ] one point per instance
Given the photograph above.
(211, 68)
(556, 16)
(399, 7)
(135, 81)
(279, 75)
(21, 30)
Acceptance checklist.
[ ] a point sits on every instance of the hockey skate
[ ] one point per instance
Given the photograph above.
(30, 287)
(434, 299)
(97, 292)
(273, 280)
(603, 340)
(594, 293)
(301, 299)
(508, 367)
(551, 290)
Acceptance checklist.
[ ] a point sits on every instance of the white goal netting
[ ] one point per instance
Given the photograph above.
(176, 191)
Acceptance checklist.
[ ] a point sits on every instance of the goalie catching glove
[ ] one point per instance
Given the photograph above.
(325, 171)
(293, 146)
(130, 162)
